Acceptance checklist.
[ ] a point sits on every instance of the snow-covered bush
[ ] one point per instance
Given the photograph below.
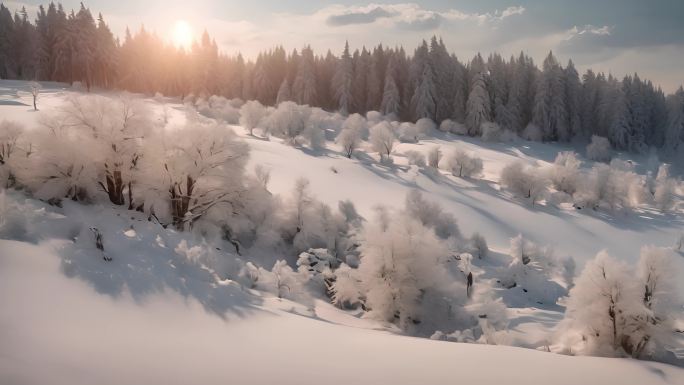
(317, 266)
(599, 149)
(350, 139)
(382, 139)
(434, 156)
(463, 165)
(196, 170)
(251, 113)
(94, 142)
(425, 126)
(358, 123)
(12, 151)
(448, 125)
(478, 245)
(288, 121)
(311, 224)
(524, 181)
(615, 309)
(532, 133)
(416, 158)
(492, 132)
(610, 186)
(313, 134)
(403, 276)
(534, 268)
(564, 173)
(346, 289)
(431, 215)
(665, 189)
(408, 133)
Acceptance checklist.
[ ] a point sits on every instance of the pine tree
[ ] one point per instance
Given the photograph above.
(550, 111)
(573, 89)
(424, 97)
(675, 130)
(391, 100)
(342, 81)
(478, 106)
(284, 93)
(304, 86)
(6, 32)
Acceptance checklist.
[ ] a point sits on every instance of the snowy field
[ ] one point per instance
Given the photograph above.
(157, 315)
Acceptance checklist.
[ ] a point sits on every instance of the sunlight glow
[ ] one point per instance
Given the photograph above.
(182, 34)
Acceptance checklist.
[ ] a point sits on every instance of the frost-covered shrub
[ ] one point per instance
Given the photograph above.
(532, 133)
(288, 121)
(431, 215)
(533, 268)
(615, 309)
(313, 134)
(311, 224)
(12, 151)
(317, 266)
(524, 181)
(416, 158)
(463, 165)
(58, 168)
(403, 276)
(564, 173)
(664, 189)
(251, 113)
(408, 133)
(92, 143)
(349, 139)
(382, 139)
(434, 156)
(196, 171)
(610, 186)
(599, 149)
(424, 126)
(490, 132)
(374, 117)
(478, 246)
(346, 289)
(358, 123)
(448, 125)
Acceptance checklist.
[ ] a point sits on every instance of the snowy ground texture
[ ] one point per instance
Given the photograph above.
(158, 314)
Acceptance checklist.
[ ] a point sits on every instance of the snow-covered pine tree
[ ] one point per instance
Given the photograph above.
(424, 96)
(342, 81)
(391, 99)
(304, 86)
(550, 111)
(478, 106)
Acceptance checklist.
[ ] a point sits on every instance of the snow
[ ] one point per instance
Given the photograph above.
(157, 314)
(60, 331)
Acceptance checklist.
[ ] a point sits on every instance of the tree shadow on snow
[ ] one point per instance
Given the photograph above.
(147, 259)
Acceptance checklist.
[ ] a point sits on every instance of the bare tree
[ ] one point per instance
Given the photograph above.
(35, 91)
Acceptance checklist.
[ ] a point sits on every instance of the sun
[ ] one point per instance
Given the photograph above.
(182, 34)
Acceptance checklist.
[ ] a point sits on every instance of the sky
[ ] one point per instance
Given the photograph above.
(616, 36)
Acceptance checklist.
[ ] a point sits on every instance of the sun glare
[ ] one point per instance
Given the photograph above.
(182, 34)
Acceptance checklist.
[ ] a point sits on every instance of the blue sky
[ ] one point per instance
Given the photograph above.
(618, 36)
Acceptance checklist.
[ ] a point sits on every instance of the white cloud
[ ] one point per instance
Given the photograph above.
(589, 30)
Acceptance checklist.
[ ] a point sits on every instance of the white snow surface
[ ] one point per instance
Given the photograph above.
(57, 330)
(157, 315)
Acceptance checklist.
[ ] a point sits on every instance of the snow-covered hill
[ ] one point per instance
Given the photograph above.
(165, 311)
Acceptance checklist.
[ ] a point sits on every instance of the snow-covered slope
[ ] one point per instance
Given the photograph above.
(158, 313)
(479, 205)
(57, 330)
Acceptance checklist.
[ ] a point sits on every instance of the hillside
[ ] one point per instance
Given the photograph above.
(173, 306)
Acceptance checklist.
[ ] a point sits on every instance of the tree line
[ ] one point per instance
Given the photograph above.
(551, 103)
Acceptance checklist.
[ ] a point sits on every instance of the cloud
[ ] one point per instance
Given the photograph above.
(410, 16)
(360, 16)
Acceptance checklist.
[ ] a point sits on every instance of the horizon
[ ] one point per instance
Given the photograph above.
(616, 40)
